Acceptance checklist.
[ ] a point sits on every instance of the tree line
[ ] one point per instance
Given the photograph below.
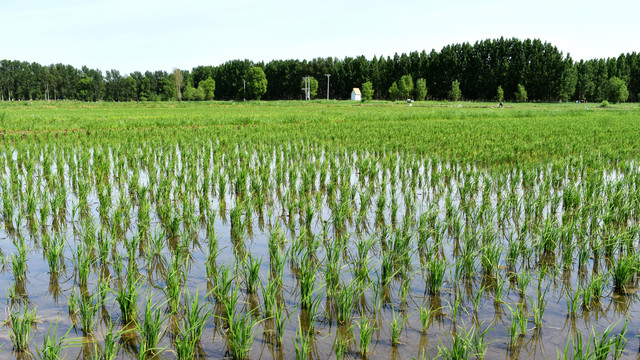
(493, 69)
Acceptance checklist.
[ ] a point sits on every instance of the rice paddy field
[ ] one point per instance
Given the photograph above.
(291, 230)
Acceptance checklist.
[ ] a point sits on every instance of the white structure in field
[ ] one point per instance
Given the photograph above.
(356, 95)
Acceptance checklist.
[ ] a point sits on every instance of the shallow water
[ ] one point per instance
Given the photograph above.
(454, 311)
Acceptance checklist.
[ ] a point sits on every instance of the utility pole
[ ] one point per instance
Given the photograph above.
(244, 90)
(328, 76)
(307, 88)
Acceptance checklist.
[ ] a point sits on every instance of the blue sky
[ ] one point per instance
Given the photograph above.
(130, 35)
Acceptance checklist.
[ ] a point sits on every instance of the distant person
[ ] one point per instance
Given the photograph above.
(501, 104)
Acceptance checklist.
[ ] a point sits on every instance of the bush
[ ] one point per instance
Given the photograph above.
(604, 104)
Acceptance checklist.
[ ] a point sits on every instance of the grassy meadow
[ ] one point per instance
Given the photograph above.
(319, 230)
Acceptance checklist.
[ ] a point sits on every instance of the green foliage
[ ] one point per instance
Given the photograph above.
(207, 87)
(421, 90)
(500, 96)
(145, 89)
(188, 92)
(405, 85)
(21, 325)
(199, 94)
(568, 81)
(313, 86)
(84, 88)
(131, 89)
(166, 89)
(616, 90)
(367, 91)
(52, 345)
(455, 93)
(394, 92)
(549, 75)
(521, 94)
(604, 104)
(256, 82)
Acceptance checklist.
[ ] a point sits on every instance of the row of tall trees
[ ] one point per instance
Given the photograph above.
(478, 71)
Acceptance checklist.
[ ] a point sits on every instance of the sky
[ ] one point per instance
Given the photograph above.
(140, 35)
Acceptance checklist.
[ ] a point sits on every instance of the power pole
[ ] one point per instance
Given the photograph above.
(307, 88)
(328, 76)
(244, 90)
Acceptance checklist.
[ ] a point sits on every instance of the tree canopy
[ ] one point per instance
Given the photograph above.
(256, 82)
(616, 90)
(208, 87)
(544, 71)
(313, 86)
(367, 91)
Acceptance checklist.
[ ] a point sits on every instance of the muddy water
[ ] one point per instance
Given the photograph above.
(454, 314)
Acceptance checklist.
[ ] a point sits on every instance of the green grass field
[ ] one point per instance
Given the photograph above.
(475, 132)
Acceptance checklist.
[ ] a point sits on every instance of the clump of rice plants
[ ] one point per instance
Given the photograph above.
(21, 323)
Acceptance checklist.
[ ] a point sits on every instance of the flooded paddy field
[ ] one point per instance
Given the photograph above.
(228, 240)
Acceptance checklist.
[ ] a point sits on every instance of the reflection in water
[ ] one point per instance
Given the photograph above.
(505, 236)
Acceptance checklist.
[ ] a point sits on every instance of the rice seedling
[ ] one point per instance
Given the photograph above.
(573, 301)
(397, 324)
(88, 310)
(539, 307)
(185, 345)
(345, 301)
(312, 310)
(55, 254)
(524, 278)
(251, 268)
(341, 344)
(195, 317)
(499, 290)
(307, 284)
(478, 342)
(576, 351)
(111, 346)
(19, 266)
(151, 329)
(621, 273)
(302, 343)
(426, 312)
(437, 270)
(222, 283)
(21, 323)
(366, 331)
(127, 297)
(52, 345)
(73, 303)
(229, 304)
(461, 347)
(173, 288)
(280, 319)
(270, 298)
(241, 336)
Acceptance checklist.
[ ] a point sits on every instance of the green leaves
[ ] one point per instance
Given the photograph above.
(256, 83)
